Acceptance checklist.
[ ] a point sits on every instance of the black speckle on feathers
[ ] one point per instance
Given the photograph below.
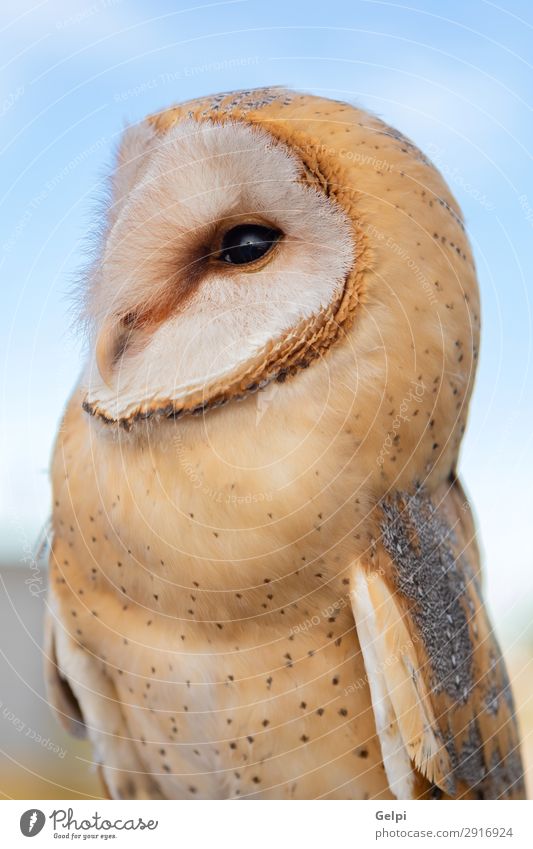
(420, 543)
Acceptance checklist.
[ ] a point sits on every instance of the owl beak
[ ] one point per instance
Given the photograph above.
(105, 351)
(113, 340)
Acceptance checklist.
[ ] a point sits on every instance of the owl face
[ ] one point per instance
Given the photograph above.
(221, 254)
(252, 234)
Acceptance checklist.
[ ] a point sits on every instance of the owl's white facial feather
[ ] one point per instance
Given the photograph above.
(174, 195)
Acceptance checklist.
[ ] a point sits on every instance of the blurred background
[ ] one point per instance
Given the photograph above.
(456, 77)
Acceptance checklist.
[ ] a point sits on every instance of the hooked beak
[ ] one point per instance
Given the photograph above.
(105, 351)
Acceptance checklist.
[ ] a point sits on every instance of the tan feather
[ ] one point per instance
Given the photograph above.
(60, 695)
(417, 599)
(202, 564)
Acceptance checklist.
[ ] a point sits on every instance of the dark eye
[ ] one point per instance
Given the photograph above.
(247, 242)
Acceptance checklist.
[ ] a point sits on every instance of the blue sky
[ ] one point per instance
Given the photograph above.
(456, 77)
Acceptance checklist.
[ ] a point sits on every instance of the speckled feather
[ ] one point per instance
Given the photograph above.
(204, 618)
(451, 696)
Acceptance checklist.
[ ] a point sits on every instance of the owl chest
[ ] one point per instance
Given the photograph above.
(262, 695)
(227, 630)
(251, 710)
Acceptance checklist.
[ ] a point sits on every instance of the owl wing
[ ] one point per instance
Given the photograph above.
(440, 692)
(59, 692)
(84, 697)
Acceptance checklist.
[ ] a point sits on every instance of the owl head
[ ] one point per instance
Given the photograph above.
(266, 238)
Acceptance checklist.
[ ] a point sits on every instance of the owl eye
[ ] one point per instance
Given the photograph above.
(247, 243)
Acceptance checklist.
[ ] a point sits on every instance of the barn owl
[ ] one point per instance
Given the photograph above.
(264, 576)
